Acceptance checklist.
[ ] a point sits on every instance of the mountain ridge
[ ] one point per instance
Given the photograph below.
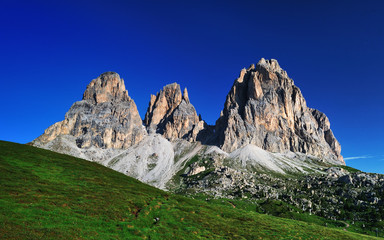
(263, 109)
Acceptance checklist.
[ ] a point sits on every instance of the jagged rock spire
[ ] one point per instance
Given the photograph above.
(163, 104)
(170, 113)
(185, 95)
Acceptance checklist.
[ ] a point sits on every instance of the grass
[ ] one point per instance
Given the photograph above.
(349, 169)
(276, 208)
(46, 195)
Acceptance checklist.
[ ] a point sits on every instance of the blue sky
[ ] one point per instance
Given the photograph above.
(51, 50)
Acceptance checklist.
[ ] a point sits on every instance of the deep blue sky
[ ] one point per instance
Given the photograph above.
(51, 50)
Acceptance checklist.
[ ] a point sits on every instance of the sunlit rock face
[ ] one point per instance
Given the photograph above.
(171, 114)
(106, 117)
(266, 109)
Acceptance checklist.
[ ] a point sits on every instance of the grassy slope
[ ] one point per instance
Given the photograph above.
(46, 195)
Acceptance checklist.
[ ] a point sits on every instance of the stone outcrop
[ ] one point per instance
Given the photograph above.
(106, 117)
(266, 109)
(171, 114)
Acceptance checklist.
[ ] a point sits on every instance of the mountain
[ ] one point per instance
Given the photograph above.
(105, 119)
(267, 147)
(171, 114)
(46, 195)
(266, 109)
(265, 125)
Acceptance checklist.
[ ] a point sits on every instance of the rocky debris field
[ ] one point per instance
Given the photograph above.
(338, 193)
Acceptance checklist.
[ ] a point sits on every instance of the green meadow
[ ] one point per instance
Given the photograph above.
(46, 195)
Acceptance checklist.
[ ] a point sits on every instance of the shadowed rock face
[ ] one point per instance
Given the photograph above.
(106, 117)
(171, 114)
(266, 109)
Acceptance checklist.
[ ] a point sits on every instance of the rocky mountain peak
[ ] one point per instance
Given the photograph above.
(270, 66)
(171, 114)
(107, 87)
(106, 118)
(163, 104)
(266, 109)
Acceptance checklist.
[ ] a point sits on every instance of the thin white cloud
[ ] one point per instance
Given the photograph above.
(357, 157)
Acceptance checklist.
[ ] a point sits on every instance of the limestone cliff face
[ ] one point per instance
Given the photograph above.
(108, 87)
(171, 114)
(106, 117)
(266, 109)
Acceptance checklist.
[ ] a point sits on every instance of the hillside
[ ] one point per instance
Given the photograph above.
(46, 195)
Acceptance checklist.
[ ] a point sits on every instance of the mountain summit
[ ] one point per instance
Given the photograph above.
(266, 109)
(106, 118)
(108, 87)
(171, 114)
